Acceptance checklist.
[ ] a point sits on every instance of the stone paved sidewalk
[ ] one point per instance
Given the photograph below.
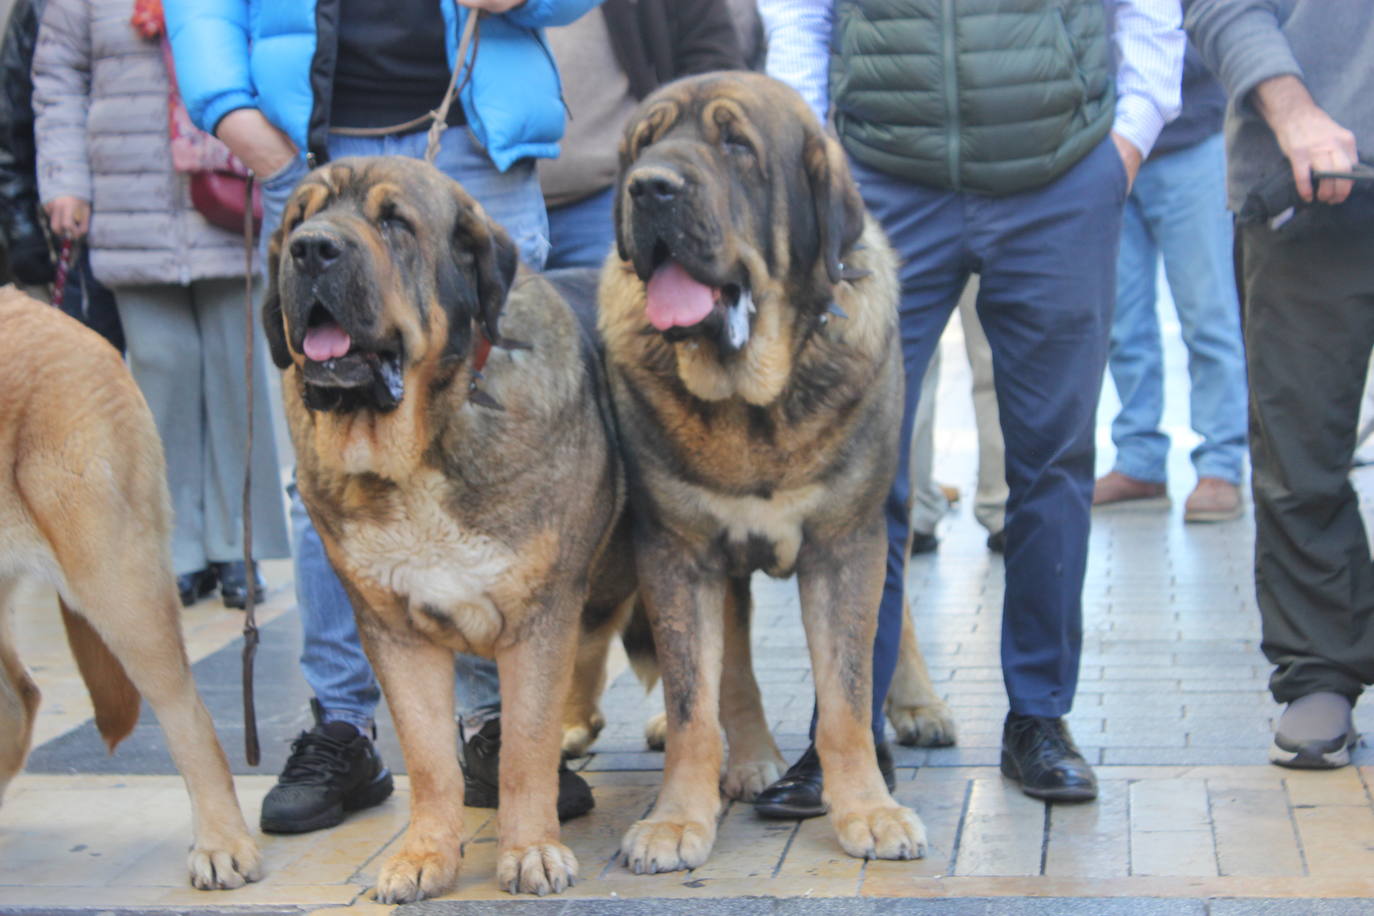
(1172, 709)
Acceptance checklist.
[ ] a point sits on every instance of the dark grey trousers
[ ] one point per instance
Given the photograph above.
(1308, 307)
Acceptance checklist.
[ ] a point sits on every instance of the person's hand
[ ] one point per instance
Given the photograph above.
(1308, 137)
(69, 217)
(495, 7)
(1130, 158)
(256, 140)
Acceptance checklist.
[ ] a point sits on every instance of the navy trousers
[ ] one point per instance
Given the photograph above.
(1047, 265)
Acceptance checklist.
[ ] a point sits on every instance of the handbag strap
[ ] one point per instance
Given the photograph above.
(438, 118)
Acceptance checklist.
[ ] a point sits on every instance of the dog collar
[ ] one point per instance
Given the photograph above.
(480, 352)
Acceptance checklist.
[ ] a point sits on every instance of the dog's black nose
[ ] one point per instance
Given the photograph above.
(655, 184)
(314, 254)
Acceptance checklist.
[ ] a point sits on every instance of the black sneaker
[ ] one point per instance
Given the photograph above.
(333, 768)
(481, 759)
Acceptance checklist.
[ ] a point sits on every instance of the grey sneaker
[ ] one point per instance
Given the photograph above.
(1315, 732)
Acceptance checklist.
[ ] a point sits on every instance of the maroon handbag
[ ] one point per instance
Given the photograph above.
(219, 198)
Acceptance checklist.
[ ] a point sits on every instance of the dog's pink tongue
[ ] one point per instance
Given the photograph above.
(326, 341)
(675, 299)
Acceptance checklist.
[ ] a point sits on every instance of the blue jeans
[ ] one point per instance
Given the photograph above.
(583, 232)
(1047, 264)
(1177, 209)
(332, 659)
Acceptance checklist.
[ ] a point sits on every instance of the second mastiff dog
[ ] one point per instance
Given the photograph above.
(750, 326)
(453, 443)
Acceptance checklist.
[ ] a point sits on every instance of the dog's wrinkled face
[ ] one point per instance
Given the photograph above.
(381, 265)
(728, 184)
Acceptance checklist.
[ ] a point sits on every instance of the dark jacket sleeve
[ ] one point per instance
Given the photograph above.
(21, 225)
(704, 36)
(657, 41)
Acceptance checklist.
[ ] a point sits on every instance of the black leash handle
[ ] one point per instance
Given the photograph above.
(251, 749)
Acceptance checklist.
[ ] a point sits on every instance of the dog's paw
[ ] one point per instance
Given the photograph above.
(653, 846)
(224, 865)
(656, 731)
(578, 738)
(540, 868)
(410, 876)
(748, 778)
(887, 831)
(923, 725)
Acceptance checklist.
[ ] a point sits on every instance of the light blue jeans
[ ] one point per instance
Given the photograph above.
(582, 232)
(332, 658)
(1177, 209)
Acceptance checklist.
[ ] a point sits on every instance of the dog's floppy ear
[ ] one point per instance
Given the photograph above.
(478, 276)
(272, 323)
(838, 206)
(497, 261)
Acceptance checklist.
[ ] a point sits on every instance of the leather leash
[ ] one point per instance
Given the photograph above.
(252, 751)
(251, 748)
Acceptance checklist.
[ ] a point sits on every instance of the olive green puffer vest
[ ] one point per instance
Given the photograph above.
(990, 96)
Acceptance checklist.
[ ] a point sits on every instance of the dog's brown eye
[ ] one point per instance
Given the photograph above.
(390, 219)
(736, 145)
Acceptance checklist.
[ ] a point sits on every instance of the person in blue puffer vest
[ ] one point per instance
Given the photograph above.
(277, 82)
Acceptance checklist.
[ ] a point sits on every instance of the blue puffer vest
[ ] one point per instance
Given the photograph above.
(279, 57)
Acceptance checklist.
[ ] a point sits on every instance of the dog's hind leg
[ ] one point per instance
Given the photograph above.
(582, 718)
(754, 762)
(133, 609)
(917, 713)
(19, 695)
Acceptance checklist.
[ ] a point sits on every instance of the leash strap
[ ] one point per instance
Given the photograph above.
(251, 749)
(438, 118)
(66, 254)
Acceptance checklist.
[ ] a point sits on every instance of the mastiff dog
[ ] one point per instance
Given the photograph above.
(749, 320)
(84, 508)
(454, 448)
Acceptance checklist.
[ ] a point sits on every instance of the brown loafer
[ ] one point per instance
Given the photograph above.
(1212, 500)
(1118, 490)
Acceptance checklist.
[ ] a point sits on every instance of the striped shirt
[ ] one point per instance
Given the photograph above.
(1148, 35)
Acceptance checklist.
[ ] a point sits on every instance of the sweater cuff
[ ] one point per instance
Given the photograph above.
(1139, 121)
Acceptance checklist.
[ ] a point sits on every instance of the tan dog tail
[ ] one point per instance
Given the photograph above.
(638, 639)
(113, 695)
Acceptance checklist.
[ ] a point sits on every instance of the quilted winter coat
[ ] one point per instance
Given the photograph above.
(100, 119)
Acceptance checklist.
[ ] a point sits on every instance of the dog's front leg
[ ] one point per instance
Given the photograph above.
(685, 605)
(841, 582)
(918, 714)
(417, 680)
(535, 673)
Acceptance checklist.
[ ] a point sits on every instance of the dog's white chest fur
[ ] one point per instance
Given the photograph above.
(421, 554)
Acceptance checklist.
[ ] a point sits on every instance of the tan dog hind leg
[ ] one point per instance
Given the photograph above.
(152, 653)
(917, 713)
(835, 582)
(19, 695)
(754, 761)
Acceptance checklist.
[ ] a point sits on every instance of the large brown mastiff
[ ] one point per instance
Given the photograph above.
(750, 326)
(463, 491)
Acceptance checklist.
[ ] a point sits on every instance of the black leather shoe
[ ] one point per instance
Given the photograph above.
(1039, 753)
(481, 759)
(798, 793)
(194, 586)
(333, 768)
(924, 543)
(233, 584)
